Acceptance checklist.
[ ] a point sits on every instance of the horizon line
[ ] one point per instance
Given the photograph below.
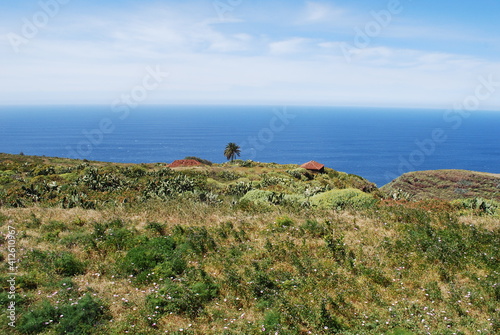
(262, 104)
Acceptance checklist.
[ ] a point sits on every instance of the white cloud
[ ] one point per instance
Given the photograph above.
(320, 11)
(289, 46)
(84, 59)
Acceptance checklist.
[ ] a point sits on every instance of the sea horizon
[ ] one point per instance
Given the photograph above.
(376, 143)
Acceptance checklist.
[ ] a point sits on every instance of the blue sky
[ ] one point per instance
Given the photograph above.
(397, 53)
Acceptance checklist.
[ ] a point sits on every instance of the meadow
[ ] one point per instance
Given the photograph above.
(239, 248)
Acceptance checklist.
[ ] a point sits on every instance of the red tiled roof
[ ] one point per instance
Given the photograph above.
(184, 162)
(312, 165)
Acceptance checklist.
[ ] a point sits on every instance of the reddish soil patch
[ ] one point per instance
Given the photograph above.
(184, 162)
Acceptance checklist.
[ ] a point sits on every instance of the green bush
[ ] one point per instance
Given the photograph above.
(157, 254)
(38, 319)
(100, 181)
(272, 322)
(274, 179)
(479, 205)
(75, 318)
(227, 175)
(118, 239)
(341, 199)
(135, 171)
(174, 185)
(257, 196)
(62, 263)
(240, 188)
(83, 317)
(264, 197)
(196, 239)
(29, 281)
(284, 221)
(66, 264)
(328, 321)
(301, 174)
(156, 227)
(183, 297)
(76, 238)
(313, 228)
(111, 236)
(43, 170)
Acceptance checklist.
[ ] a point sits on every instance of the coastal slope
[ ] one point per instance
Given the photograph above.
(445, 185)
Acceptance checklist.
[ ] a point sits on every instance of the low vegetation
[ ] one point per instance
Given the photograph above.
(445, 184)
(240, 248)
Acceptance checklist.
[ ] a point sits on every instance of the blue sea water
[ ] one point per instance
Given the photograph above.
(377, 144)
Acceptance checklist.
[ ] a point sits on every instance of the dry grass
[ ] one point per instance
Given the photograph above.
(292, 269)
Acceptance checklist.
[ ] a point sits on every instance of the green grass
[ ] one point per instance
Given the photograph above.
(27, 181)
(167, 252)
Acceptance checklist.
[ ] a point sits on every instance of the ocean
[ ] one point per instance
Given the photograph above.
(378, 144)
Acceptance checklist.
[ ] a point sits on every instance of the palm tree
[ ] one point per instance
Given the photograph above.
(232, 150)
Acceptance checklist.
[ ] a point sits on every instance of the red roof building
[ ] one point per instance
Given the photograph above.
(313, 166)
(184, 163)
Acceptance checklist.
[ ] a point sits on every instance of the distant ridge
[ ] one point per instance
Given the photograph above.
(445, 185)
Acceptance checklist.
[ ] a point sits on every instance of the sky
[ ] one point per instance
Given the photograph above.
(392, 53)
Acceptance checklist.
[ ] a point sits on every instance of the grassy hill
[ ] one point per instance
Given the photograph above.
(243, 248)
(446, 185)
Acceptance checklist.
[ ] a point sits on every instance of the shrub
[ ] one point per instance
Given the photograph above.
(294, 200)
(263, 197)
(272, 180)
(83, 317)
(38, 319)
(156, 227)
(240, 188)
(284, 221)
(62, 263)
(66, 264)
(135, 171)
(118, 239)
(262, 286)
(43, 170)
(29, 281)
(251, 207)
(101, 181)
(341, 199)
(111, 236)
(201, 160)
(159, 253)
(79, 318)
(227, 175)
(162, 173)
(301, 174)
(210, 198)
(183, 298)
(272, 322)
(172, 186)
(329, 321)
(479, 205)
(313, 228)
(247, 163)
(196, 239)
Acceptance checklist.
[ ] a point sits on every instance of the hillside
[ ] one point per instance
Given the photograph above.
(236, 249)
(28, 180)
(445, 185)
